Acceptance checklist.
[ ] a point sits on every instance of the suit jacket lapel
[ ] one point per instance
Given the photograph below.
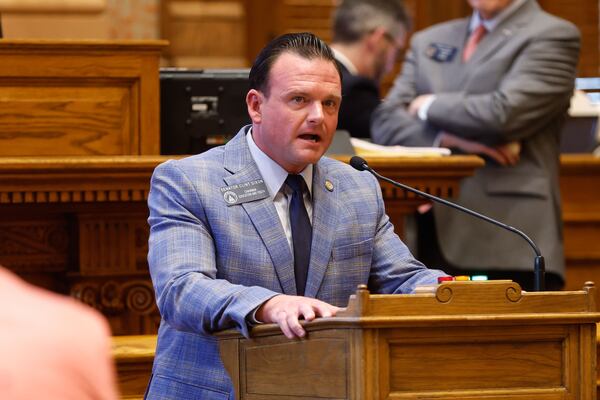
(262, 213)
(325, 221)
(489, 45)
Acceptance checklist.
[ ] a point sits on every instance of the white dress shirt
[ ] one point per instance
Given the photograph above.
(274, 176)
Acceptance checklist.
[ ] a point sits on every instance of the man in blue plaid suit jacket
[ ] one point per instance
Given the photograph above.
(220, 254)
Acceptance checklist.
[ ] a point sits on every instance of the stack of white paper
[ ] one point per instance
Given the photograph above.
(365, 148)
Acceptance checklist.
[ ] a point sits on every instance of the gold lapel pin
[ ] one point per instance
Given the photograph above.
(329, 186)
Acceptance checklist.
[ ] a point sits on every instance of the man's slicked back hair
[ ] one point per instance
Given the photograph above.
(303, 44)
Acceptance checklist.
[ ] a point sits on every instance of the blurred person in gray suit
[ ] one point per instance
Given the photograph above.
(497, 84)
(367, 37)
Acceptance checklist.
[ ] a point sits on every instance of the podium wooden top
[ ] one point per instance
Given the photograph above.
(132, 349)
(490, 303)
(459, 298)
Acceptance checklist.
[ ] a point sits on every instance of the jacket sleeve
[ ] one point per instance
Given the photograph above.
(394, 269)
(391, 123)
(538, 85)
(182, 261)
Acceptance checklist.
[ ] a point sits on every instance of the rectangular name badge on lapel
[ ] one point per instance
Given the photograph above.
(441, 52)
(244, 192)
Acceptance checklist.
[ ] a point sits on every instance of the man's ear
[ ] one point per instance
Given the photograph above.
(254, 101)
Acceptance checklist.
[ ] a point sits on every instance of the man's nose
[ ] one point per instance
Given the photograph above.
(315, 114)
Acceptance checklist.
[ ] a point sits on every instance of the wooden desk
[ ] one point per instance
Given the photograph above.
(77, 225)
(77, 98)
(133, 357)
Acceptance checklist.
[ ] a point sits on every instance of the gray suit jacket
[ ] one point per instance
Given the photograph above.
(213, 264)
(516, 86)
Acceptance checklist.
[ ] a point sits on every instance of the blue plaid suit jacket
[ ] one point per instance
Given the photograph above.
(213, 264)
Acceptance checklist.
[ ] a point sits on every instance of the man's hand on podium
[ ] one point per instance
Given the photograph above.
(286, 311)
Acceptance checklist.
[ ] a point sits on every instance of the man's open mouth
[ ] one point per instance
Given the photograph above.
(314, 138)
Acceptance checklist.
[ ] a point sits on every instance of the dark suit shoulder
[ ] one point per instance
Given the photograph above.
(353, 82)
(360, 97)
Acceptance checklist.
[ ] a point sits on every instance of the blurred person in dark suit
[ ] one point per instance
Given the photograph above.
(367, 36)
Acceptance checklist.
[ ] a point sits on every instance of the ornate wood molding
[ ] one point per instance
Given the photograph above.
(76, 180)
(115, 297)
(99, 179)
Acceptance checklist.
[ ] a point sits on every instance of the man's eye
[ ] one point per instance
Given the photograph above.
(330, 103)
(298, 99)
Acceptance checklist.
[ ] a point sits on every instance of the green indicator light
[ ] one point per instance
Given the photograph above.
(479, 278)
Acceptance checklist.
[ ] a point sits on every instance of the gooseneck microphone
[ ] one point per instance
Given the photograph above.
(539, 267)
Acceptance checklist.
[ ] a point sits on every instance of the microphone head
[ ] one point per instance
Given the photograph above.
(359, 163)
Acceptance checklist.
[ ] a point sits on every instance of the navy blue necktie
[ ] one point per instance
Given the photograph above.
(301, 231)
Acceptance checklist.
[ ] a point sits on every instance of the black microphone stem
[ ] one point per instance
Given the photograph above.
(539, 263)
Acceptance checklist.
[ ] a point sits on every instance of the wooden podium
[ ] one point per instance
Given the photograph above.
(459, 340)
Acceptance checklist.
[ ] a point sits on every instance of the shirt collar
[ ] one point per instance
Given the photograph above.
(491, 24)
(272, 173)
(345, 61)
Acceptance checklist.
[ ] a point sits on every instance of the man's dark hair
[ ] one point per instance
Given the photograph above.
(355, 18)
(303, 44)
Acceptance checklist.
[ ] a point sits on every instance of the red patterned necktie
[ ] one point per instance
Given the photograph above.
(473, 41)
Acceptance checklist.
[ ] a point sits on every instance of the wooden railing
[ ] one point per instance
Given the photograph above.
(133, 357)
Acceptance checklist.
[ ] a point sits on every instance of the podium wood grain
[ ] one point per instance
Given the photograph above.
(463, 340)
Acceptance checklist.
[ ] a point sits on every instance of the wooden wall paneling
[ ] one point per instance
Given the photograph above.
(584, 14)
(580, 191)
(76, 98)
(430, 12)
(313, 15)
(261, 25)
(307, 15)
(205, 34)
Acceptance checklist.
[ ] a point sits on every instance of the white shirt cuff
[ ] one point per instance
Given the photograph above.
(422, 113)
